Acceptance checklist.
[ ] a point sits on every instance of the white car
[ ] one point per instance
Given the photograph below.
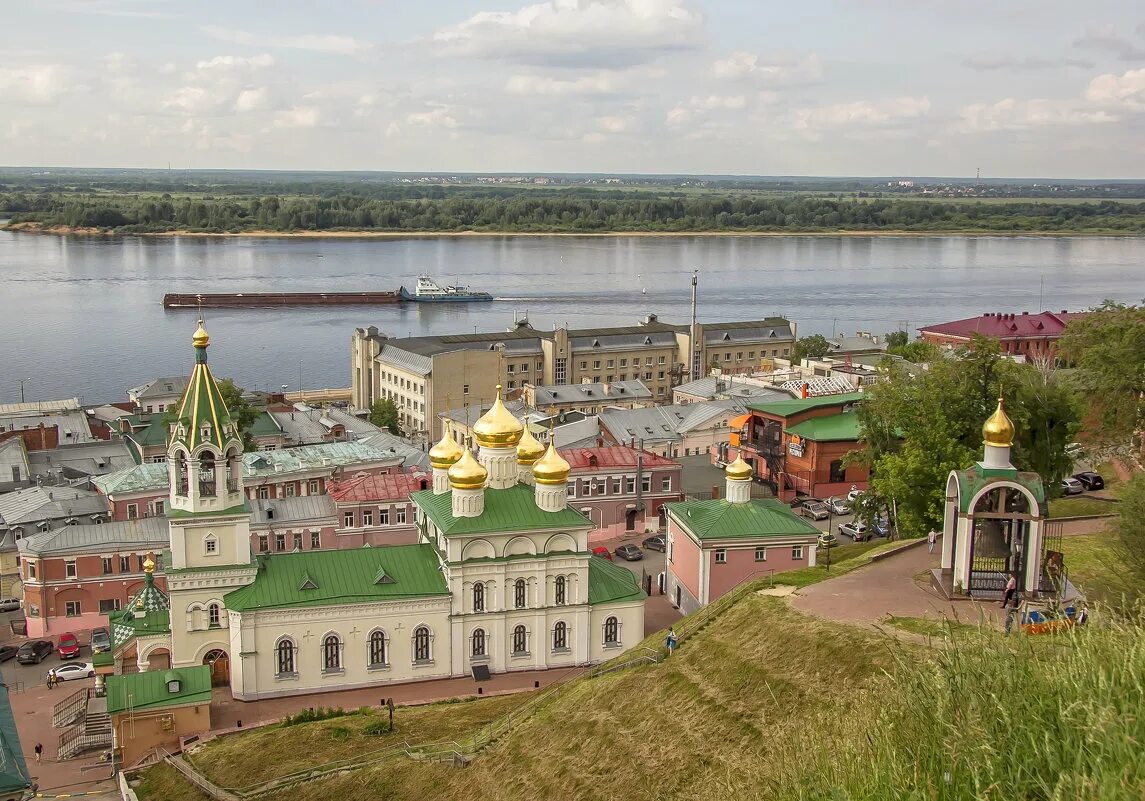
(73, 670)
(854, 495)
(856, 530)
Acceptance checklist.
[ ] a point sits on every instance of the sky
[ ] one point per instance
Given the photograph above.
(1016, 88)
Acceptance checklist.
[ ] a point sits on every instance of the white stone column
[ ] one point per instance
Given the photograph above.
(551, 498)
(997, 457)
(738, 490)
(962, 555)
(1033, 555)
(468, 502)
(440, 481)
(501, 464)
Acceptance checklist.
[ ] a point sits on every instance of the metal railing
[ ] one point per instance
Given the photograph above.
(69, 710)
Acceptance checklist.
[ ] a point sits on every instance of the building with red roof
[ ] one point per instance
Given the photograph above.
(376, 509)
(1031, 336)
(622, 489)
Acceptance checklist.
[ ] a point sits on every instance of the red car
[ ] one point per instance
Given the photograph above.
(69, 646)
(602, 552)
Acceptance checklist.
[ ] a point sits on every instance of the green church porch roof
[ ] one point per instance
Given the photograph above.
(720, 519)
(610, 584)
(511, 509)
(136, 692)
(973, 479)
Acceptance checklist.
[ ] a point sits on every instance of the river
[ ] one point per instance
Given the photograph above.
(82, 316)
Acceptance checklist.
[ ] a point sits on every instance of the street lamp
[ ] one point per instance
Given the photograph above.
(22, 380)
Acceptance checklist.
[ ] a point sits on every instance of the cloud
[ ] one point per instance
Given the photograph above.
(1105, 38)
(439, 117)
(743, 66)
(697, 110)
(1126, 92)
(252, 99)
(227, 66)
(600, 83)
(35, 84)
(341, 45)
(1013, 115)
(876, 113)
(298, 117)
(614, 124)
(109, 8)
(1028, 64)
(576, 33)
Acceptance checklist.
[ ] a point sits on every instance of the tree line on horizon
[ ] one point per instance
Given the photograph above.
(533, 212)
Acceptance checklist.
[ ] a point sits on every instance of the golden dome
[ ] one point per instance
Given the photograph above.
(998, 430)
(551, 469)
(148, 565)
(467, 473)
(446, 452)
(529, 449)
(497, 428)
(201, 339)
(738, 470)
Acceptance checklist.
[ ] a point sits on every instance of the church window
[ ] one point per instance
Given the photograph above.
(560, 637)
(210, 544)
(611, 632)
(478, 597)
(331, 654)
(280, 541)
(378, 649)
(478, 648)
(284, 657)
(421, 645)
(213, 616)
(560, 591)
(520, 641)
(207, 475)
(519, 594)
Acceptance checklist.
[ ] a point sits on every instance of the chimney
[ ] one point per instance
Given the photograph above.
(600, 442)
(805, 390)
(715, 492)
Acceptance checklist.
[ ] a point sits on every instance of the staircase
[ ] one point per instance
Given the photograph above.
(71, 709)
(91, 731)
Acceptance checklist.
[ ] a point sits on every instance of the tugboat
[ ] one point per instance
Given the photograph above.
(429, 291)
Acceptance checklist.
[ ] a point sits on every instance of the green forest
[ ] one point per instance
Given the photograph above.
(573, 210)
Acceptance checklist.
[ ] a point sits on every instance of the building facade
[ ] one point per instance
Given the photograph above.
(1030, 336)
(622, 490)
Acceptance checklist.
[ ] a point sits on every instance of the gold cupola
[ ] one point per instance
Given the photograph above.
(200, 339)
(998, 430)
(498, 428)
(529, 449)
(446, 452)
(467, 473)
(551, 470)
(739, 470)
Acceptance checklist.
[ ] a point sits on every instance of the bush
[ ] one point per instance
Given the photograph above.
(377, 728)
(314, 714)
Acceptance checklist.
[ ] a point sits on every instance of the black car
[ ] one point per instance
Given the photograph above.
(656, 543)
(1090, 480)
(7, 652)
(34, 651)
(629, 553)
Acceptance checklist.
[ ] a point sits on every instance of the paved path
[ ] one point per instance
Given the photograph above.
(891, 586)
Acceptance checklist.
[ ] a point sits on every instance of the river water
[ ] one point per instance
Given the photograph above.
(83, 316)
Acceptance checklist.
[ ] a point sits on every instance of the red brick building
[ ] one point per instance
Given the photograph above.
(621, 489)
(376, 509)
(1032, 336)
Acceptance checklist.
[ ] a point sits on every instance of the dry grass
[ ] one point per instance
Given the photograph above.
(163, 783)
(1092, 565)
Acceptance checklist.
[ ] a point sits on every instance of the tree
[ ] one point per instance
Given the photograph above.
(241, 410)
(815, 346)
(1130, 545)
(1107, 348)
(896, 339)
(384, 414)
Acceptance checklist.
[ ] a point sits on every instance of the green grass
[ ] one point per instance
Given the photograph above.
(1091, 565)
(163, 783)
(926, 626)
(1081, 506)
(844, 558)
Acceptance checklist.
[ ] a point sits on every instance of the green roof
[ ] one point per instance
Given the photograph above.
(125, 626)
(609, 583)
(346, 576)
(264, 426)
(786, 408)
(13, 770)
(512, 509)
(973, 479)
(203, 416)
(842, 427)
(150, 690)
(720, 519)
(103, 659)
(183, 514)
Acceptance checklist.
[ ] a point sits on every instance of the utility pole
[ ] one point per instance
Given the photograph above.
(22, 380)
(693, 337)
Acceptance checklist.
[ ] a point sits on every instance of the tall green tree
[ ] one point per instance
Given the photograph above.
(242, 412)
(1130, 543)
(896, 339)
(815, 346)
(384, 414)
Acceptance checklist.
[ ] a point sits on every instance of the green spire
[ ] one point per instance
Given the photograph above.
(203, 417)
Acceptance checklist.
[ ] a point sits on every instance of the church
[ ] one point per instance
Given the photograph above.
(501, 578)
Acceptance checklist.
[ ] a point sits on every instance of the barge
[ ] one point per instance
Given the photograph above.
(429, 291)
(269, 299)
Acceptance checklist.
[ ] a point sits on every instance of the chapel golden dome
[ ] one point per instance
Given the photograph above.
(998, 430)
(148, 565)
(467, 473)
(551, 469)
(498, 428)
(446, 452)
(529, 449)
(201, 339)
(738, 470)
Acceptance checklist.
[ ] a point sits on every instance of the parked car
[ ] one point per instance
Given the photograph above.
(629, 553)
(854, 495)
(828, 540)
(33, 652)
(100, 641)
(656, 543)
(8, 652)
(1071, 486)
(599, 550)
(839, 506)
(857, 530)
(69, 647)
(9, 604)
(815, 509)
(1090, 480)
(72, 670)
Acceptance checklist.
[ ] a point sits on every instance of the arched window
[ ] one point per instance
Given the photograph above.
(284, 657)
(519, 594)
(560, 637)
(378, 649)
(479, 597)
(478, 642)
(520, 641)
(207, 475)
(213, 616)
(331, 654)
(560, 591)
(421, 645)
(611, 631)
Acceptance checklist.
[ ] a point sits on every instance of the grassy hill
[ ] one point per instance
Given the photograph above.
(767, 703)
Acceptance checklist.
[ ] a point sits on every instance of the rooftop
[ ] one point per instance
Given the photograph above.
(511, 509)
(95, 458)
(1006, 326)
(150, 533)
(72, 425)
(843, 427)
(345, 576)
(391, 486)
(152, 689)
(615, 456)
(159, 387)
(39, 408)
(748, 331)
(590, 393)
(609, 583)
(659, 423)
(36, 504)
(716, 387)
(818, 387)
(125, 626)
(146, 477)
(797, 405)
(719, 519)
(299, 509)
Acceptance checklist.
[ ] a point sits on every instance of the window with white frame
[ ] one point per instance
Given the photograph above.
(666, 484)
(422, 650)
(400, 515)
(280, 541)
(263, 493)
(477, 647)
(520, 589)
(213, 612)
(331, 654)
(210, 545)
(367, 517)
(520, 641)
(571, 489)
(761, 554)
(721, 556)
(479, 597)
(797, 552)
(646, 483)
(313, 486)
(616, 486)
(384, 517)
(72, 608)
(70, 568)
(315, 539)
(611, 632)
(290, 490)
(348, 519)
(560, 636)
(377, 649)
(629, 485)
(284, 658)
(559, 590)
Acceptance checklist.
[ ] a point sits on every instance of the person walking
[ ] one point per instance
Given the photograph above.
(39, 751)
(1011, 589)
(930, 539)
(672, 641)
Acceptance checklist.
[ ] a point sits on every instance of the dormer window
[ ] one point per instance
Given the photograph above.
(210, 545)
(205, 430)
(173, 686)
